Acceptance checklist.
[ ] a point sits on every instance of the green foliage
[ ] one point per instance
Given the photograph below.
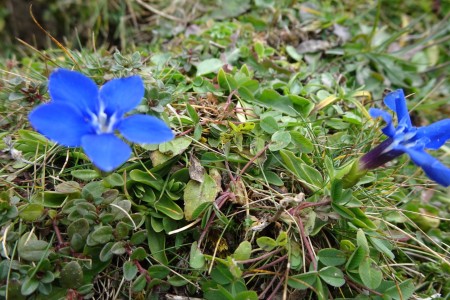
(269, 102)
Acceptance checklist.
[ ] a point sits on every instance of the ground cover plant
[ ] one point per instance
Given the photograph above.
(226, 150)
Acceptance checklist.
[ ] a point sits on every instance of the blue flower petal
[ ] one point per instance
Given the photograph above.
(145, 129)
(60, 122)
(106, 151)
(389, 130)
(396, 102)
(437, 133)
(75, 88)
(122, 95)
(434, 169)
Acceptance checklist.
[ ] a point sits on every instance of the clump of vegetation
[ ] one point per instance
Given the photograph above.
(259, 195)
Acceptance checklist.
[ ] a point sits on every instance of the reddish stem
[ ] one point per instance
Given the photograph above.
(275, 290)
(225, 108)
(297, 209)
(360, 288)
(251, 260)
(220, 201)
(58, 234)
(279, 259)
(141, 269)
(247, 165)
(306, 242)
(263, 294)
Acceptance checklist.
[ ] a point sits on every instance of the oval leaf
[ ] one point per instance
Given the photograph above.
(333, 276)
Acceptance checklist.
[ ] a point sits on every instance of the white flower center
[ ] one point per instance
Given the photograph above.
(102, 122)
(407, 139)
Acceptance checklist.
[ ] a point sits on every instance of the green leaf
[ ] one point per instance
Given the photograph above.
(362, 240)
(157, 243)
(301, 170)
(361, 219)
(138, 237)
(209, 66)
(158, 271)
(311, 175)
(336, 190)
(123, 211)
(86, 175)
(192, 113)
(68, 187)
(355, 259)
(282, 239)
(271, 178)
(198, 193)
(79, 226)
(118, 248)
(196, 258)
(93, 190)
(49, 199)
(271, 99)
(169, 208)
(157, 224)
(229, 9)
(71, 275)
(382, 246)
(160, 59)
(139, 254)
(246, 93)
(301, 104)
(32, 249)
(31, 212)
(402, 291)
(303, 144)
(331, 257)
(200, 210)
(289, 49)
(29, 286)
(266, 243)
(292, 162)
(77, 242)
(246, 295)
(219, 293)
(342, 211)
(295, 255)
(139, 283)
(265, 3)
(320, 289)
(48, 277)
(14, 96)
(129, 270)
(175, 147)
(100, 235)
(222, 275)
(85, 289)
(243, 251)
(259, 49)
(152, 180)
(370, 274)
(114, 180)
(280, 140)
(226, 81)
(333, 276)
(177, 281)
(269, 125)
(302, 281)
(106, 254)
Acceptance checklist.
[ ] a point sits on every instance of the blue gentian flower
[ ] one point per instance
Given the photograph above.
(406, 138)
(81, 114)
